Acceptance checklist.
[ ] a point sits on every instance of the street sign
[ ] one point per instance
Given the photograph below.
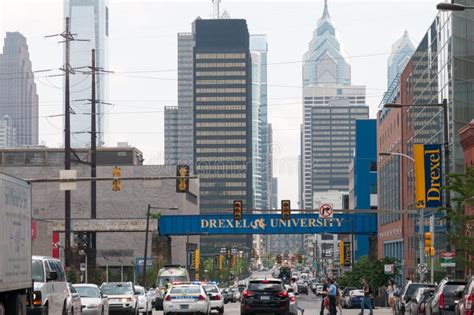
(422, 268)
(325, 210)
(388, 269)
(83, 267)
(139, 263)
(67, 180)
(192, 260)
(447, 259)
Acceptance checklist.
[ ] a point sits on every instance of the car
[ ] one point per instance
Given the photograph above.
(319, 289)
(73, 301)
(304, 277)
(354, 298)
(313, 286)
(186, 298)
(293, 300)
(265, 296)
(417, 303)
(121, 297)
(228, 295)
(144, 300)
(152, 294)
(404, 295)
(92, 300)
(444, 297)
(237, 294)
(216, 297)
(345, 293)
(466, 298)
(49, 285)
(168, 274)
(302, 286)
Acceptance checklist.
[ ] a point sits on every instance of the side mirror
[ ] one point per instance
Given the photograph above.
(290, 290)
(105, 296)
(53, 276)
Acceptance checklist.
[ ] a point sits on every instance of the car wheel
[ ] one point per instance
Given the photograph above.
(64, 312)
(102, 312)
(221, 310)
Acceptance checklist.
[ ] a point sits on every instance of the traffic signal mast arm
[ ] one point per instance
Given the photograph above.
(90, 179)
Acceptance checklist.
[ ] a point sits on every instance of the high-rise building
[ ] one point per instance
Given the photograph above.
(18, 96)
(171, 135)
(222, 75)
(89, 21)
(7, 132)
(402, 50)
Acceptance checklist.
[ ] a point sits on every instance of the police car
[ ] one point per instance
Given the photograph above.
(215, 295)
(187, 298)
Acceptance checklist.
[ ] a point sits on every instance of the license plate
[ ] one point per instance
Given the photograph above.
(184, 306)
(265, 298)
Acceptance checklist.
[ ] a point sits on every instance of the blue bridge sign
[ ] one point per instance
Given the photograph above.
(303, 223)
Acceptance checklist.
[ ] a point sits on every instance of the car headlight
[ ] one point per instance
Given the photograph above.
(126, 300)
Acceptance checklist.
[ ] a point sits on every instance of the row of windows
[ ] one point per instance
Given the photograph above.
(221, 56)
(221, 90)
(219, 73)
(220, 64)
(221, 150)
(220, 133)
(221, 99)
(221, 107)
(214, 176)
(225, 184)
(209, 159)
(222, 141)
(220, 116)
(229, 167)
(220, 124)
(213, 82)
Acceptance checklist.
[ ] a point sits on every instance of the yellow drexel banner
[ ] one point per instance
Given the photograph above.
(428, 175)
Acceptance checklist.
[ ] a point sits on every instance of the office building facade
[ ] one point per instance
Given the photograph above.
(89, 21)
(171, 135)
(222, 86)
(18, 95)
(7, 132)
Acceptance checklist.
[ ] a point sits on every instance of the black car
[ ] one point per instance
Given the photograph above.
(405, 295)
(265, 296)
(443, 300)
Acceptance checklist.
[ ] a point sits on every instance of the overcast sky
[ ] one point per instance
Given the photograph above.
(143, 49)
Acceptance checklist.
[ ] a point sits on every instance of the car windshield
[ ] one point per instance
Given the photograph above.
(265, 286)
(117, 289)
(185, 290)
(37, 272)
(211, 289)
(452, 287)
(139, 291)
(412, 288)
(87, 292)
(163, 280)
(357, 292)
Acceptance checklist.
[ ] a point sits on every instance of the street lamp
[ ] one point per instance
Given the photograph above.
(396, 153)
(146, 238)
(443, 6)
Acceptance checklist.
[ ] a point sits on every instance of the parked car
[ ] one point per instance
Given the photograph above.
(354, 298)
(73, 301)
(344, 294)
(444, 297)
(417, 302)
(466, 298)
(92, 300)
(121, 297)
(49, 280)
(144, 300)
(404, 296)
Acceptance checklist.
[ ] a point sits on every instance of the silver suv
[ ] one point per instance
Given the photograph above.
(121, 297)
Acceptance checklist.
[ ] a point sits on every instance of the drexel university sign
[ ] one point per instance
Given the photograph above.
(302, 223)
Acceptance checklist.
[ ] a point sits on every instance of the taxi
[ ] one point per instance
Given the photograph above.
(187, 298)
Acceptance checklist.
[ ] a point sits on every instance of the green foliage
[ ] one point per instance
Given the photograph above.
(372, 270)
(461, 234)
(150, 278)
(71, 275)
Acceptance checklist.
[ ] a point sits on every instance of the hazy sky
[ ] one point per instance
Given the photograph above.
(143, 48)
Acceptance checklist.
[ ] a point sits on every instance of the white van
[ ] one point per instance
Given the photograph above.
(50, 286)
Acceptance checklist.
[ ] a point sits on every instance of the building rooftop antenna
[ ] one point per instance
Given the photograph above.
(215, 9)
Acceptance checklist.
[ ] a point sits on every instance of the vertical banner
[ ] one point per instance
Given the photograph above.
(428, 174)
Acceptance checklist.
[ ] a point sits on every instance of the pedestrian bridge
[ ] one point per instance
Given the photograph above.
(302, 223)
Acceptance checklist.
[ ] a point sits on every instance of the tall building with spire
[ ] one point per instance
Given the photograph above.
(18, 96)
(331, 106)
(402, 50)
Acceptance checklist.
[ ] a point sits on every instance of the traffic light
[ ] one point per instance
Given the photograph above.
(429, 248)
(221, 262)
(285, 209)
(116, 183)
(182, 180)
(237, 211)
(197, 257)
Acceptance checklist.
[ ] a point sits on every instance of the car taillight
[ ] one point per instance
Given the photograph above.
(469, 304)
(293, 298)
(441, 300)
(168, 298)
(201, 298)
(283, 294)
(216, 297)
(247, 293)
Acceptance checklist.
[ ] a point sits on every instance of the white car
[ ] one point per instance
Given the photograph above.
(216, 297)
(293, 300)
(73, 302)
(121, 297)
(187, 298)
(50, 286)
(93, 301)
(319, 290)
(144, 300)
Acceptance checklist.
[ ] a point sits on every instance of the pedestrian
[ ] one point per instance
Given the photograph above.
(366, 300)
(390, 293)
(323, 294)
(332, 291)
(338, 299)
(293, 285)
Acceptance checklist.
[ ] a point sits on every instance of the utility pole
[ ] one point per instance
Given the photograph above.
(93, 155)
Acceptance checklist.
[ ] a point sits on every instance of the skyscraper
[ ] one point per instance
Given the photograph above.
(171, 135)
(7, 132)
(18, 96)
(89, 20)
(223, 120)
(402, 50)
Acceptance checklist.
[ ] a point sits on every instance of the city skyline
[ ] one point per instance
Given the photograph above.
(284, 94)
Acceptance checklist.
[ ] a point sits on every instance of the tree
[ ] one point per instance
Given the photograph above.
(461, 234)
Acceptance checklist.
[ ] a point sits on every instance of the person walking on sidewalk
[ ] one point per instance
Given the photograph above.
(366, 300)
(332, 291)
